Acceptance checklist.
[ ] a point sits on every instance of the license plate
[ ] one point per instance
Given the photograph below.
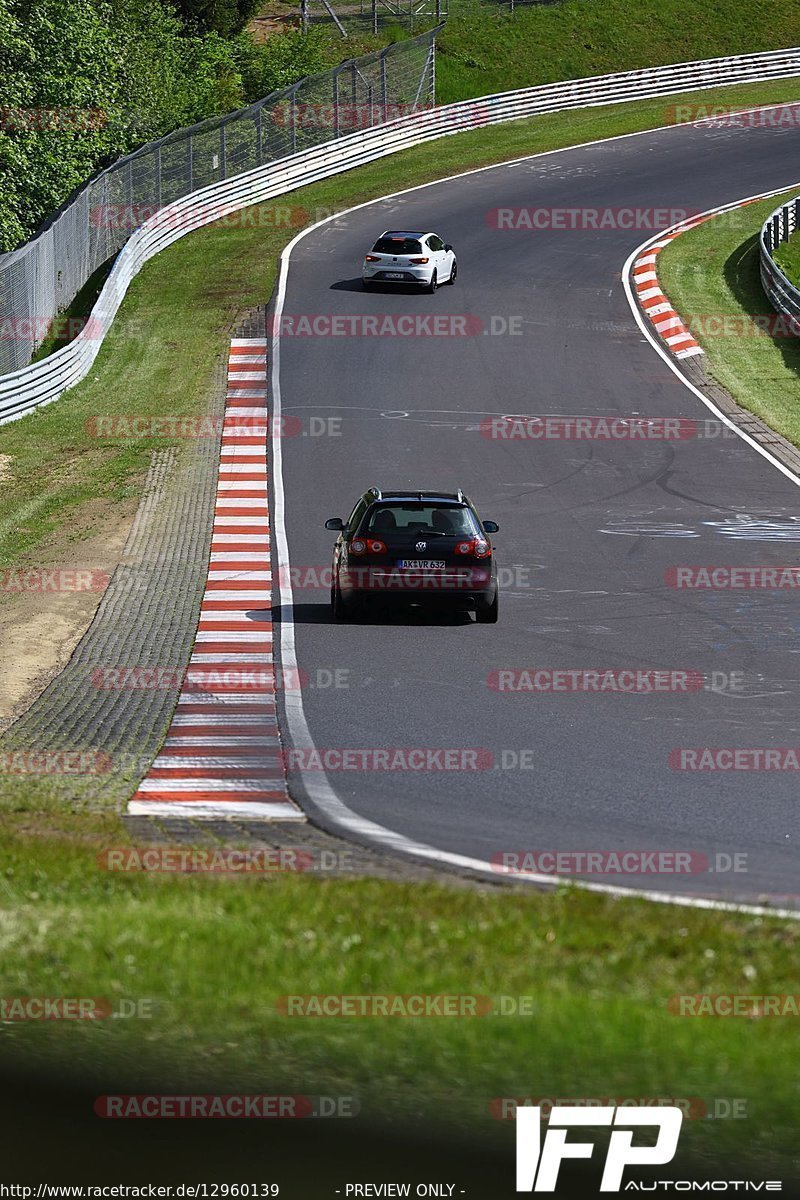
(422, 564)
(394, 274)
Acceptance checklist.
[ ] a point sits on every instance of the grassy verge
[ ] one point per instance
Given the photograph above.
(787, 256)
(171, 332)
(599, 972)
(66, 325)
(597, 975)
(486, 48)
(712, 272)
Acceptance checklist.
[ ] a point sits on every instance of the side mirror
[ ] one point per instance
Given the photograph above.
(447, 246)
(334, 523)
(491, 526)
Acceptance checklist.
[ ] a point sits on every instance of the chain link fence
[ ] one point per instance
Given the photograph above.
(40, 279)
(371, 16)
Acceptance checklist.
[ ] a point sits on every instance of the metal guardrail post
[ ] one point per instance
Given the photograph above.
(782, 294)
(384, 93)
(25, 387)
(336, 103)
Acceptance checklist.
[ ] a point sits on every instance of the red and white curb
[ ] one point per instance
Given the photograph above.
(221, 756)
(655, 305)
(669, 326)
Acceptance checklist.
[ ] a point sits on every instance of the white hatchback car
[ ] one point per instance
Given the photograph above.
(408, 256)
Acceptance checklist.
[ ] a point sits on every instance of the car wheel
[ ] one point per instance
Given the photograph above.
(454, 272)
(487, 613)
(341, 611)
(434, 283)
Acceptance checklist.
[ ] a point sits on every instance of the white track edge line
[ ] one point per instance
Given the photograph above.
(317, 784)
(669, 358)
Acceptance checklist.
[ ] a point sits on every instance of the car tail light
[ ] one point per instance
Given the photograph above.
(361, 545)
(418, 261)
(476, 547)
(371, 258)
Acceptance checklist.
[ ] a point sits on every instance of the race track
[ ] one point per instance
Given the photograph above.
(588, 530)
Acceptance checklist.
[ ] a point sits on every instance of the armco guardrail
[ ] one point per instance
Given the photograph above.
(42, 382)
(781, 293)
(41, 278)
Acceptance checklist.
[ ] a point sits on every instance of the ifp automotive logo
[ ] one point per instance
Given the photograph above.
(538, 1164)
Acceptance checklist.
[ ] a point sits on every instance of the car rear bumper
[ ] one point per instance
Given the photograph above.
(409, 275)
(466, 586)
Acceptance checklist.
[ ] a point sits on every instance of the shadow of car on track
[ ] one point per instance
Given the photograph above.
(399, 289)
(320, 614)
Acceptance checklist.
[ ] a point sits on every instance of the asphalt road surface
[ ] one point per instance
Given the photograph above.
(588, 529)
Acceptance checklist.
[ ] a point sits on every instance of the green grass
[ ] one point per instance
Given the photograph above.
(64, 328)
(598, 973)
(713, 270)
(787, 256)
(171, 333)
(485, 48)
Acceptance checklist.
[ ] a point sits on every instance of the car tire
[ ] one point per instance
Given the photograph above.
(341, 610)
(434, 283)
(454, 272)
(487, 614)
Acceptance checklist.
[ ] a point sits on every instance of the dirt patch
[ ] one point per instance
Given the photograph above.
(47, 606)
(264, 27)
(5, 466)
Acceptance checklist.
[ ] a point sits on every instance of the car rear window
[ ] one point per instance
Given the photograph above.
(397, 245)
(422, 518)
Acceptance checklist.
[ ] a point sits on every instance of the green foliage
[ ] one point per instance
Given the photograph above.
(85, 81)
(280, 61)
(225, 17)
